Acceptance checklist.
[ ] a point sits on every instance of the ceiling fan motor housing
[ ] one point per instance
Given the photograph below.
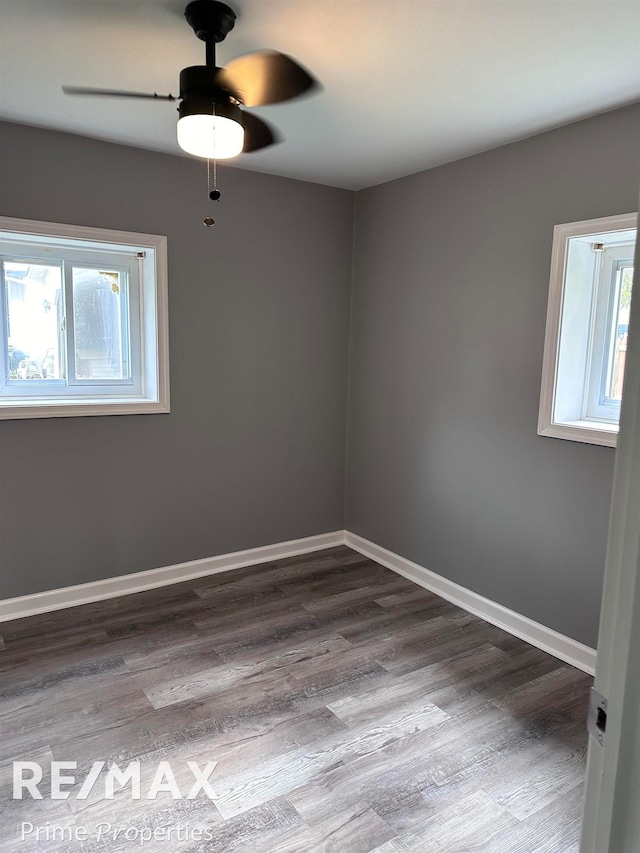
(210, 20)
(201, 81)
(194, 105)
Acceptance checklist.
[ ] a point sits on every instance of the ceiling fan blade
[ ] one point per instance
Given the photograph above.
(265, 78)
(257, 133)
(115, 93)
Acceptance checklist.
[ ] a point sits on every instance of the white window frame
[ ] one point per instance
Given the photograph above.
(143, 258)
(592, 422)
(597, 406)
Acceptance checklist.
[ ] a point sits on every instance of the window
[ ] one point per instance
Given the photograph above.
(587, 326)
(83, 321)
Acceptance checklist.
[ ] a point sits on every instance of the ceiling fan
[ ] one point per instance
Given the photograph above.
(212, 122)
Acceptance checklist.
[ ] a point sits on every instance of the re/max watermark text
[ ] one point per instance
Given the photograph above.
(108, 832)
(28, 776)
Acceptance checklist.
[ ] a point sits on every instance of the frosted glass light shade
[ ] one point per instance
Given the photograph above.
(215, 137)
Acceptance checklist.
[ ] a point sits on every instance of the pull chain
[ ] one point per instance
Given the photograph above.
(214, 193)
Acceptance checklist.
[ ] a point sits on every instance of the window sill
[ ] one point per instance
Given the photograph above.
(588, 432)
(21, 409)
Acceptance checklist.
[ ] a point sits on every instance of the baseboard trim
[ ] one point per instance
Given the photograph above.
(578, 655)
(71, 596)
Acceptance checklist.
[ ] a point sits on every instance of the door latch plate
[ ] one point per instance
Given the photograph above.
(597, 719)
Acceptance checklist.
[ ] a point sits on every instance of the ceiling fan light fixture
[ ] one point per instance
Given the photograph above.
(210, 130)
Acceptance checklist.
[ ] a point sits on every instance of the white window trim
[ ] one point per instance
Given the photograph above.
(155, 400)
(589, 432)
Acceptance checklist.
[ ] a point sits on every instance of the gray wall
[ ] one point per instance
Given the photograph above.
(450, 291)
(253, 449)
(449, 300)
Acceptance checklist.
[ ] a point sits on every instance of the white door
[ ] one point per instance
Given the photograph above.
(611, 821)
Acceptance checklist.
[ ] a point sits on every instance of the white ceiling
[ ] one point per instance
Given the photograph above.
(407, 84)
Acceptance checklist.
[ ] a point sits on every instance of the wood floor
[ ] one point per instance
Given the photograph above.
(348, 710)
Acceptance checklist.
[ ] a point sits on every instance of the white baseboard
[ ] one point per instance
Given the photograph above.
(568, 650)
(538, 635)
(71, 596)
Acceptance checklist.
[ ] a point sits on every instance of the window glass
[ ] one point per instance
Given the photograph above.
(35, 313)
(619, 333)
(100, 324)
